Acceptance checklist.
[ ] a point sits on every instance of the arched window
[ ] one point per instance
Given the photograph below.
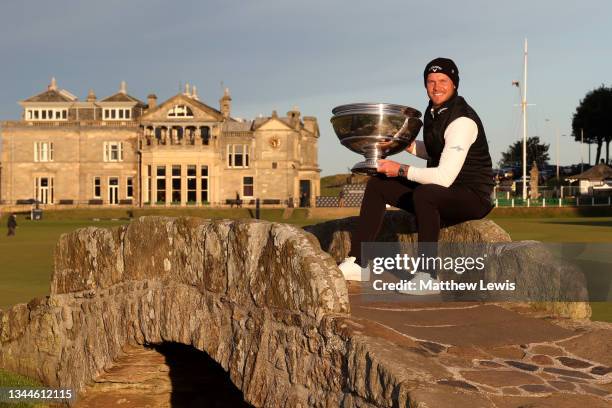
(180, 111)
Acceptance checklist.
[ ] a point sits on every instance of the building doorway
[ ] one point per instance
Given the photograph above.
(44, 190)
(113, 190)
(304, 193)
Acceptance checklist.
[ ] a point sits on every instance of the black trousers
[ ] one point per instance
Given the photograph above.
(431, 204)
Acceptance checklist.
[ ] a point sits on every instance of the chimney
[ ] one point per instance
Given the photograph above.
(187, 92)
(294, 116)
(310, 124)
(53, 85)
(194, 93)
(226, 103)
(152, 100)
(123, 87)
(91, 96)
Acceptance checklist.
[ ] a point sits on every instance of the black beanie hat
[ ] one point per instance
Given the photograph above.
(443, 66)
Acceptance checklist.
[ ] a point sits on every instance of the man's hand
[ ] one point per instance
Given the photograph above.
(390, 168)
(410, 147)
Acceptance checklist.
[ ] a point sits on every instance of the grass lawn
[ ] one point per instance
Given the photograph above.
(26, 260)
(579, 229)
(12, 380)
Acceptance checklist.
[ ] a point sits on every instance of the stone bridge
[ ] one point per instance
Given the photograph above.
(265, 302)
(259, 298)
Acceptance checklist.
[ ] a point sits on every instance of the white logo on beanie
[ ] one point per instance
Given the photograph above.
(435, 68)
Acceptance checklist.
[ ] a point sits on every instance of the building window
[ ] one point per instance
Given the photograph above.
(238, 155)
(161, 184)
(176, 183)
(129, 191)
(192, 173)
(113, 190)
(113, 151)
(117, 113)
(97, 188)
(149, 184)
(274, 165)
(247, 186)
(44, 190)
(180, 111)
(43, 151)
(46, 114)
(204, 184)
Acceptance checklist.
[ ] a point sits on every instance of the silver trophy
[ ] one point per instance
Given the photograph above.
(376, 130)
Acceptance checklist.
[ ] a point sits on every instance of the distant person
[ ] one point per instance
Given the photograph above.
(455, 187)
(303, 200)
(11, 225)
(238, 200)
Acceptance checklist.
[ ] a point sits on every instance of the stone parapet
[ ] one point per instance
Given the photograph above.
(400, 226)
(255, 263)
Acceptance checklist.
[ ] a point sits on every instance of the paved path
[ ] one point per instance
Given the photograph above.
(487, 355)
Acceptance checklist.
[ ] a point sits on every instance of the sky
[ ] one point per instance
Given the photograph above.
(274, 55)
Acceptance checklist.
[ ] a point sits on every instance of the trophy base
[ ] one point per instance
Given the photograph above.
(367, 167)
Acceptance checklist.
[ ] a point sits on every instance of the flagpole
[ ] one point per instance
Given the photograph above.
(524, 109)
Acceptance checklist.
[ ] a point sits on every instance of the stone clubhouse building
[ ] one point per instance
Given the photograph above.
(120, 150)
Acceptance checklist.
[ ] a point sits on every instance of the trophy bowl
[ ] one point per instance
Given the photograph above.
(376, 130)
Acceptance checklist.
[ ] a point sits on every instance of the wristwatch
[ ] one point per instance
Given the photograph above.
(403, 171)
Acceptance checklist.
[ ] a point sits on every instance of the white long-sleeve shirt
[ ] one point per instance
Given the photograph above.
(458, 137)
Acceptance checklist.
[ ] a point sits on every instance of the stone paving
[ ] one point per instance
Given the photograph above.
(510, 355)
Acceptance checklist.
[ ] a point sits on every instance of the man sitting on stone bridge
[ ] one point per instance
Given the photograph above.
(455, 187)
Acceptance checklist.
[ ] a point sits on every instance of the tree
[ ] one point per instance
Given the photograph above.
(536, 151)
(593, 116)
